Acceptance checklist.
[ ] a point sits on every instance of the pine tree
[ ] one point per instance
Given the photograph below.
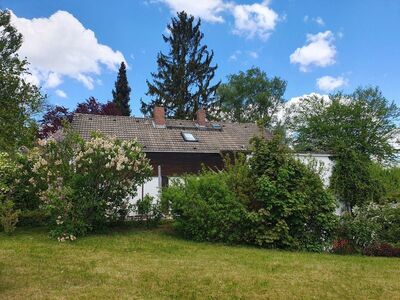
(122, 90)
(182, 83)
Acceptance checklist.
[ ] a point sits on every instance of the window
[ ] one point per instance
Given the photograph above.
(216, 126)
(188, 137)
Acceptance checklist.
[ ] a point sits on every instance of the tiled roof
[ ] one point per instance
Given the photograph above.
(230, 137)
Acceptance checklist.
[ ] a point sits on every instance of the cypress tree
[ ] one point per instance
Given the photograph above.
(121, 92)
(182, 83)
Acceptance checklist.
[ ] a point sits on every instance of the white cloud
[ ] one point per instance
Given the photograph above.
(250, 20)
(61, 94)
(53, 80)
(207, 10)
(253, 54)
(254, 20)
(319, 51)
(329, 83)
(317, 20)
(61, 46)
(234, 56)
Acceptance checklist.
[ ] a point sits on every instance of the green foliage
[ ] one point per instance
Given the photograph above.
(370, 225)
(15, 174)
(272, 201)
(205, 208)
(19, 100)
(356, 129)
(182, 83)
(251, 96)
(148, 210)
(121, 92)
(8, 215)
(33, 218)
(362, 121)
(352, 181)
(389, 180)
(86, 184)
(293, 208)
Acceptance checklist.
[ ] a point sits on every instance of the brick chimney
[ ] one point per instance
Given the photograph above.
(159, 116)
(201, 117)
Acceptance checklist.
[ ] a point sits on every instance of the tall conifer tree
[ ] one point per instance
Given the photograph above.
(182, 83)
(121, 92)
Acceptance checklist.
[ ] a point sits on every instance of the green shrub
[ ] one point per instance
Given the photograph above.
(33, 218)
(270, 200)
(205, 208)
(8, 215)
(148, 210)
(294, 211)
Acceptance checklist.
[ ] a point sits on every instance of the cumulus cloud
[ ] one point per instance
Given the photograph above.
(61, 46)
(254, 20)
(250, 20)
(319, 51)
(61, 94)
(329, 83)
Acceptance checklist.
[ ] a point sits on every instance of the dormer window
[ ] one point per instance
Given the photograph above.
(189, 137)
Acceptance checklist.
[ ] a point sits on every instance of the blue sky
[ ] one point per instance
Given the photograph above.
(317, 46)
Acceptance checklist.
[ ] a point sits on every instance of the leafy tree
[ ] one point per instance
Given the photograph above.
(19, 100)
(121, 92)
(251, 96)
(55, 116)
(363, 121)
(182, 83)
(356, 128)
(353, 182)
(94, 107)
(53, 119)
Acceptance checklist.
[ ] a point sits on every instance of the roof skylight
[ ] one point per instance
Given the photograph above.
(188, 137)
(216, 125)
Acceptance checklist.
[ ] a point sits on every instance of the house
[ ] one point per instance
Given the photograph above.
(174, 147)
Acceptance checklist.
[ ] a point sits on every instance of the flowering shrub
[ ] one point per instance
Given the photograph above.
(8, 170)
(370, 228)
(86, 184)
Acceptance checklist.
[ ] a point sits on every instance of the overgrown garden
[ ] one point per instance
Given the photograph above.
(51, 177)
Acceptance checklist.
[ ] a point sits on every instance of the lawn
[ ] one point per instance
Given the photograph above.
(155, 264)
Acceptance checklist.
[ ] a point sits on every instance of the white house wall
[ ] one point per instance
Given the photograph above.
(322, 163)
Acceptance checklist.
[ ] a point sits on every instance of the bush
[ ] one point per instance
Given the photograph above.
(148, 210)
(271, 201)
(205, 208)
(8, 215)
(292, 209)
(370, 226)
(382, 249)
(85, 185)
(33, 218)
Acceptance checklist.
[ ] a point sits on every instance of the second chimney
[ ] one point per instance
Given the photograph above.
(201, 117)
(159, 116)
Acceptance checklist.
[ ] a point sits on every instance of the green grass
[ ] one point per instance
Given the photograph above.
(155, 264)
